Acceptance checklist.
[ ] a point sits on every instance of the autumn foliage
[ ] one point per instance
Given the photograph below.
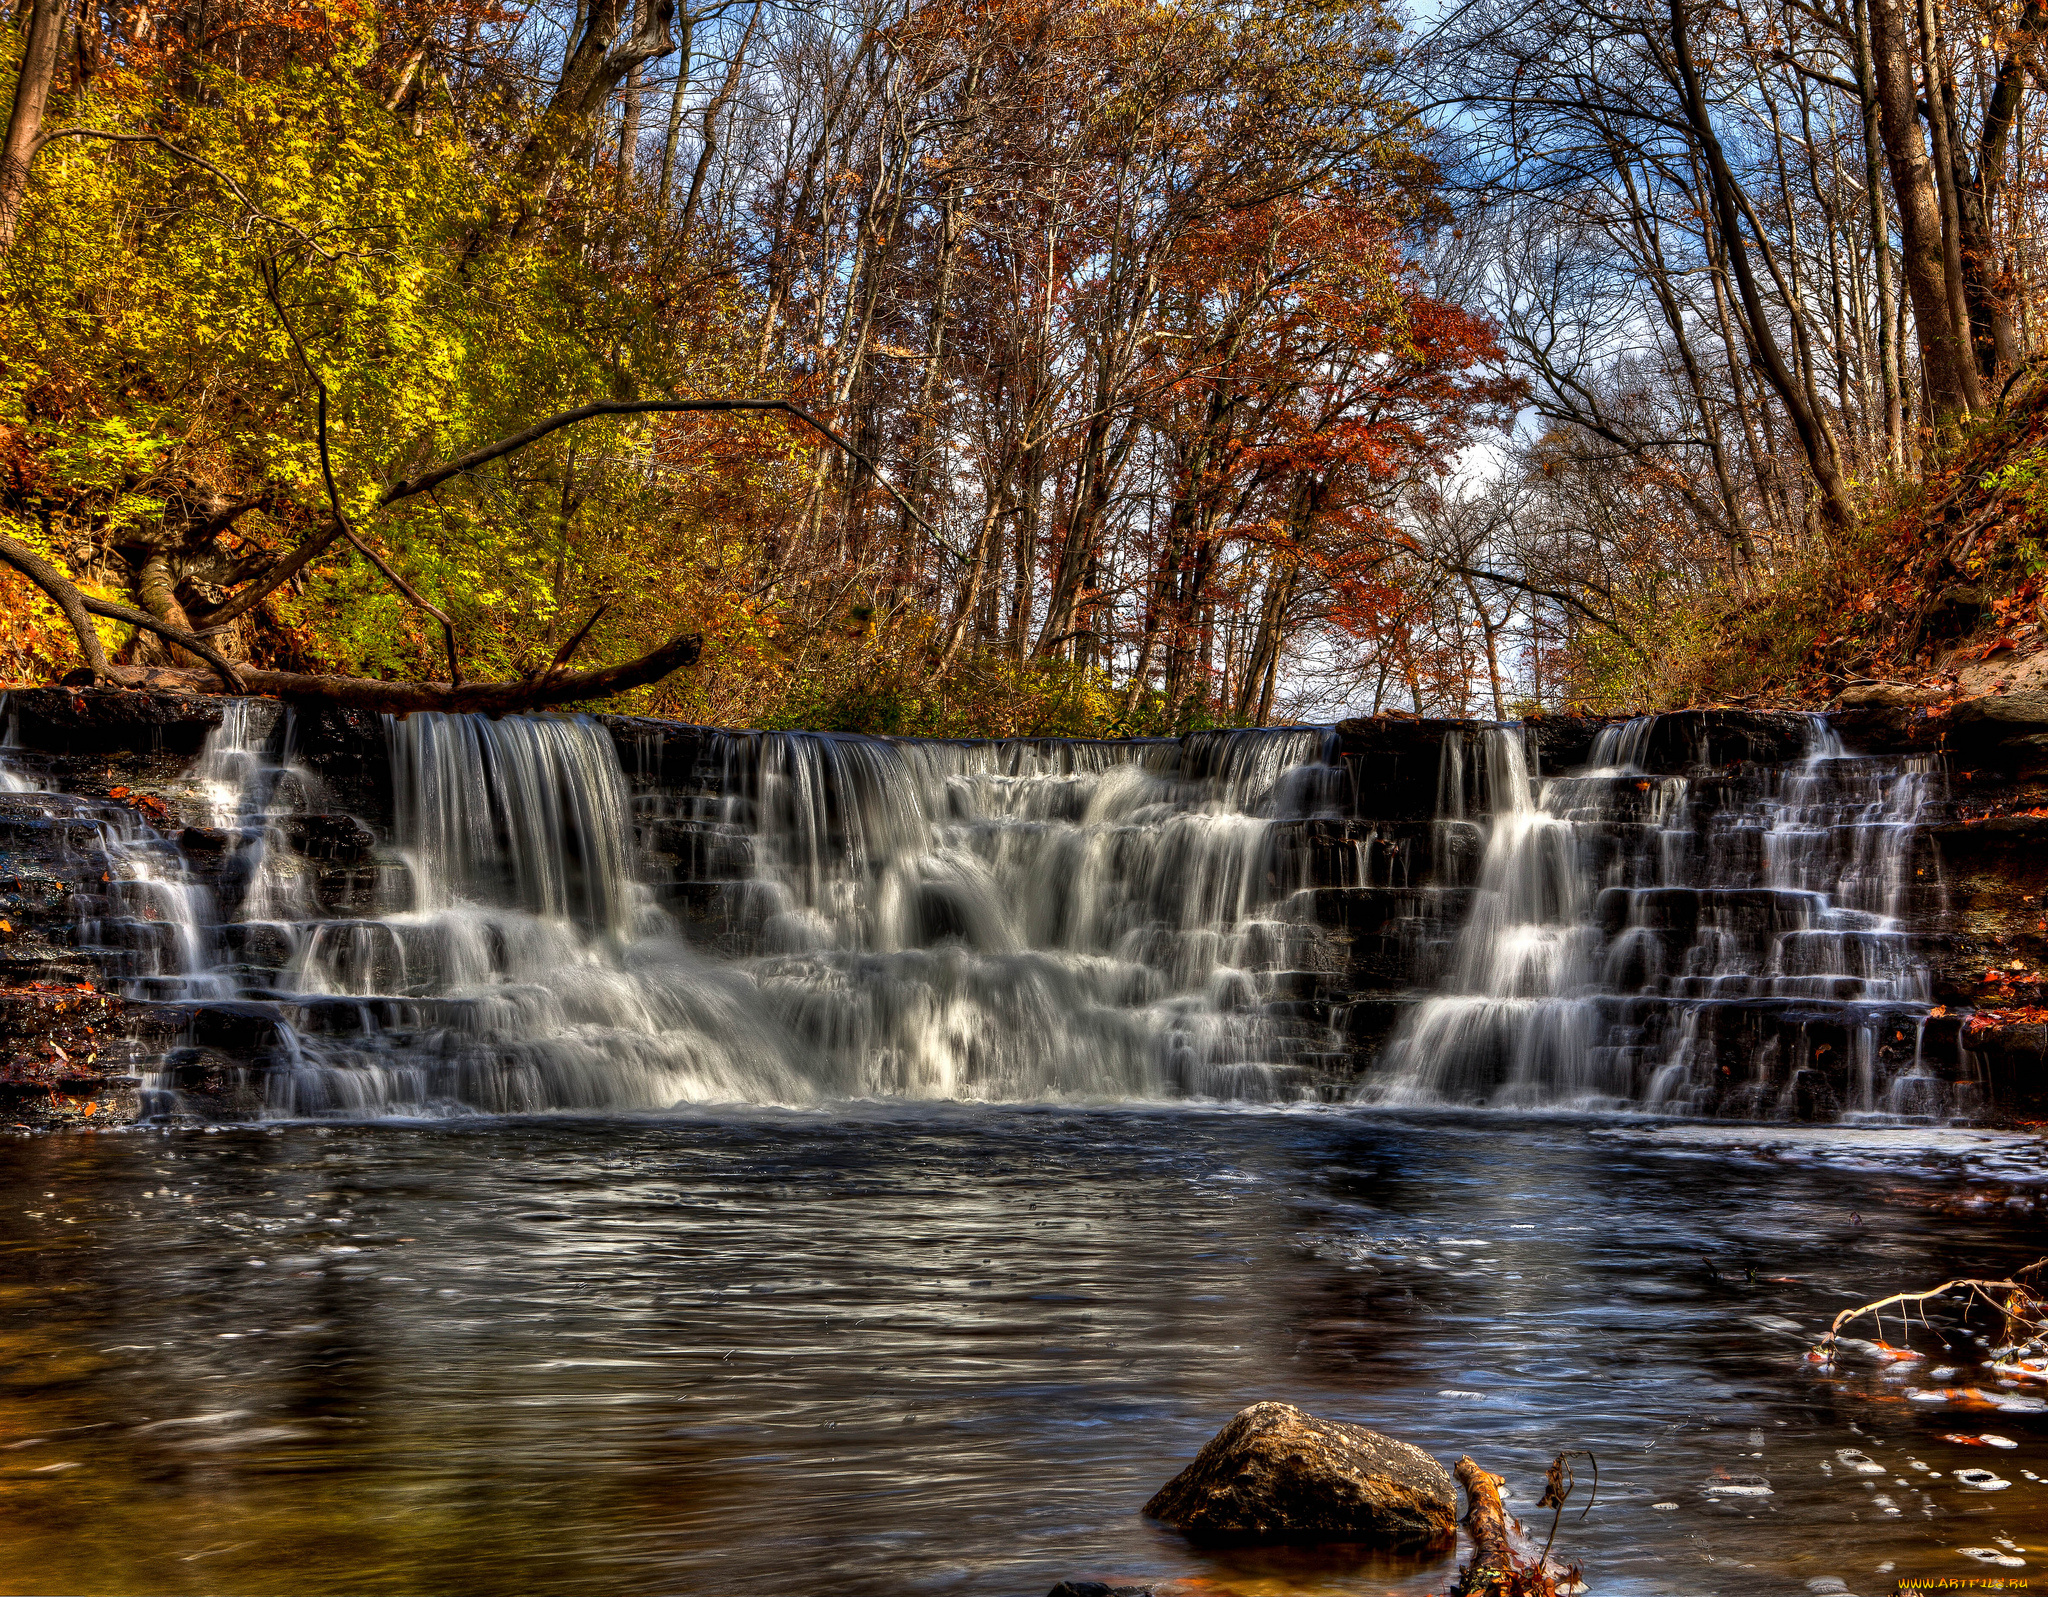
(1127, 302)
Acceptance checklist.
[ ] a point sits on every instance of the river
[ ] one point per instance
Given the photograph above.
(887, 1348)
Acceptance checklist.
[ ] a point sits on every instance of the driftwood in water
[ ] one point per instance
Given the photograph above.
(1496, 1570)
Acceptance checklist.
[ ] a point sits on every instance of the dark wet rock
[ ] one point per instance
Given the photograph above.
(220, 1084)
(1561, 742)
(51, 1030)
(1697, 739)
(199, 842)
(1278, 1474)
(55, 1042)
(2009, 730)
(109, 720)
(264, 944)
(699, 850)
(229, 1026)
(339, 839)
(77, 1102)
(668, 755)
(1994, 875)
(1392, 763)
(351, 755)
(2012, 1052)
(1097, 1588)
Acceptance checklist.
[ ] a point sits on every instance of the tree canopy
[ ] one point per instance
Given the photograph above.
(1082, 356)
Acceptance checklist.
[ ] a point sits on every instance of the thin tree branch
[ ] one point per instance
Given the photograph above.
(1556, 594)
(268, 273)
(203, 164)
(567, 651)
(434, 476)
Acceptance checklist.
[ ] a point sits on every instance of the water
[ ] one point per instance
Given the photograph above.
(973, 920)
(909, 1348)
(885, 1251)
(795, 918)
(1635, 941)
(11, 780)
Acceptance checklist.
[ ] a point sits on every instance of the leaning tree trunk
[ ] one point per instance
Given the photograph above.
(39, 54)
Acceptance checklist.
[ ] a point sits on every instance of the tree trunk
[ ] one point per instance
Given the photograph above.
(677, 95)
(39, 54)
(712, 113)
(1940, 97)
(1994, 335)
(1814, 441)
(629, 136)
(156, 586)
(1486, 626)
(970, 592)
(1950, 374)
(1880, 245)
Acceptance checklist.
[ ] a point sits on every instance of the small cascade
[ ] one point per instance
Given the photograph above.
(1731, 940)
(1028, 918)
(858, 917)
(11, 779)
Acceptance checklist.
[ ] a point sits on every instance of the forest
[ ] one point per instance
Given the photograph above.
(1018, 366)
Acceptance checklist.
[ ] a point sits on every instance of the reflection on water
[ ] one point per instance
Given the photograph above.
(927, 1349)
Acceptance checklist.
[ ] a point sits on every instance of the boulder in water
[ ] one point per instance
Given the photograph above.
(1277, 1474)
(1097, 1588)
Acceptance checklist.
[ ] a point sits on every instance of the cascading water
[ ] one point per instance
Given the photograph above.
(1632, 946)
(986, 920)
(791, 917)
(11, 781)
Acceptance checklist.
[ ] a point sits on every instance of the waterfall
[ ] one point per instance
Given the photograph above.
(567, 913)
(11, 780)
(1629, 947)
(1001, 919)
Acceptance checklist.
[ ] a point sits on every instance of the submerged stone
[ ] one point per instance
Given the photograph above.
(1278, 1474)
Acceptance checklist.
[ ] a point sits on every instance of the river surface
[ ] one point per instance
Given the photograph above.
(898, 1349)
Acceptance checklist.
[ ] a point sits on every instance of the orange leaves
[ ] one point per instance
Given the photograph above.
(146, 804)
(1986, 1020)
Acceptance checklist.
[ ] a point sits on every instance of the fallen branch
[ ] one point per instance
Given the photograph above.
(1496, 1570)
(491, 698)
(68, 599)
(554, 686)
(2024, 1311)
(229, 673)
